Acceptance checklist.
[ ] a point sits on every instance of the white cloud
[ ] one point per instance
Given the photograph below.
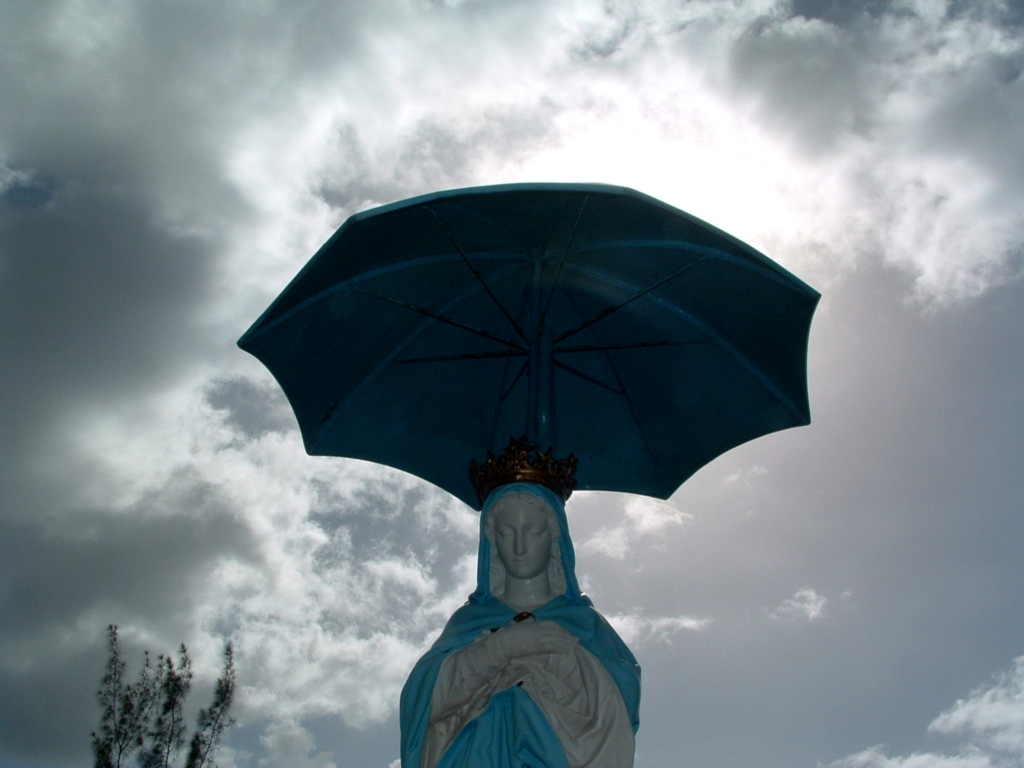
(11, 177)
(992, 717)
(635, 628)
(990, 723)
(806, 603)
(820, 144)
(343, 590)
(644, 517)
(876, 758)
(289, 744)
(745, 477)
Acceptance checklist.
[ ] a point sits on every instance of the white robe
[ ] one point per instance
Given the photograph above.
(572, 688)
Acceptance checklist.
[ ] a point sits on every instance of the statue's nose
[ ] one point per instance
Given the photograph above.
(520, 545)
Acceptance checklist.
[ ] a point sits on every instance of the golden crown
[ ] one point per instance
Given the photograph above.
(522, 462)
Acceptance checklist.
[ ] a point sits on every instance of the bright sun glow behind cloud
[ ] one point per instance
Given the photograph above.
(682, 102)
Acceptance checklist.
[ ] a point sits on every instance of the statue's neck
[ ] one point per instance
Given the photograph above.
(527, 594)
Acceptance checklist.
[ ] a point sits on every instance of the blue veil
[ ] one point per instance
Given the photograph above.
(513, 732)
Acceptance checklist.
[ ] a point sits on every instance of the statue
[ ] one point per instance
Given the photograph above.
(526, 673)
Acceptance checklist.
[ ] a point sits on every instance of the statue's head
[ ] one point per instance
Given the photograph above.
(523, 531)
(521, 526)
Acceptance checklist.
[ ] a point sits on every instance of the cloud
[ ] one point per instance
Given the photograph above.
(317, 570)
(992, 717)
(989, 722)
(644, 517)
(746, 477)
(863, 112)
(898, 104)
(636, 628)
(876, 758)
(288, 743)
(806, 603)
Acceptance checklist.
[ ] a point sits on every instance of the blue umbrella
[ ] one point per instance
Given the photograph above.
(593, 319)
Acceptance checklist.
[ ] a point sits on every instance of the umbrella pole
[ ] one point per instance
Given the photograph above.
(540, 406)
(544, 415)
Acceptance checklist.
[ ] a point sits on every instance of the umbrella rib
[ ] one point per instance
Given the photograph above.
(651, 455)
(339, 406)
(713, 337)
(637, 345)
(442, 318)
(496, 415)
(507, 392)
(754, 261)
(561, 261)
(478, 276)
(630, 300)
(487, 221)
(467, 356)
(632, 411)
(589, 378)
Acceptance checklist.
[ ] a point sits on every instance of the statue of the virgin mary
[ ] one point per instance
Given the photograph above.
(526, 674)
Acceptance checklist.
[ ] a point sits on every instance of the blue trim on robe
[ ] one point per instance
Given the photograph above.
(512, 714)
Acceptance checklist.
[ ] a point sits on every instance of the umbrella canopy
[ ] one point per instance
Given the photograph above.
(594, 319)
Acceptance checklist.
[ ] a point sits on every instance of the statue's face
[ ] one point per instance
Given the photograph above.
(522, 534)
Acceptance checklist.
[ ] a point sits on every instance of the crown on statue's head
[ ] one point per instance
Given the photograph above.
(522, 462)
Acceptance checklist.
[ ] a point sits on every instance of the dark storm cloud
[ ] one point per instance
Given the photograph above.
(852, 13)
(95, 302)
(23, 191)
(828, 81)
(56, 689)
(809, 81)
(95, 296)
(839, 12)
(113, 123)
(58, 577)
(65, 576)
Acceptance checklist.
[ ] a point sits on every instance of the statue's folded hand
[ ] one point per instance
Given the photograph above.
(533, 638)
(472, 669)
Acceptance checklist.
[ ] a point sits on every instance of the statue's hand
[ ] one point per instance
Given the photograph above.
(531, 638)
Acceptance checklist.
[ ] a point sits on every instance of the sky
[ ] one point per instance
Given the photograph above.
(842, 595)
